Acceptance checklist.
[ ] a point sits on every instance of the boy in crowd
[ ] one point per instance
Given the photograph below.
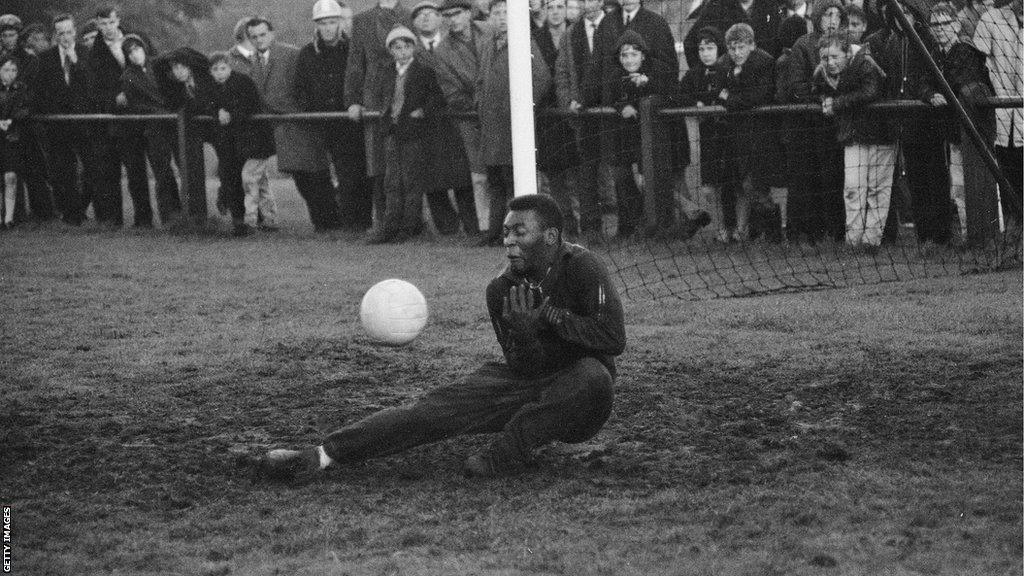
(237, 140)
(747, 82)
(846, 80)
(815, 202)
(963, 67)
(411, 96)
(856, 23)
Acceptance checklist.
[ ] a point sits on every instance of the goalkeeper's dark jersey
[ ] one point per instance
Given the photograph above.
(587, 317)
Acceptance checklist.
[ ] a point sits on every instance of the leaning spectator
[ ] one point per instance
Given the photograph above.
(814, 205)
(747, 82)
(117, 143)
(412, 95)
(14, 110)
(144, 95)
(701, 86)
(320, 87)
(963, 67)
(998, 36)
(255, 171)
(847, 79)
(233, 100)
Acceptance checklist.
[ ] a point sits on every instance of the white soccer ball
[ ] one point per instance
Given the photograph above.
(393, 312)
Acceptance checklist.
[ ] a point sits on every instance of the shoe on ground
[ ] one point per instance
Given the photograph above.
(268, 228)
(299, 466)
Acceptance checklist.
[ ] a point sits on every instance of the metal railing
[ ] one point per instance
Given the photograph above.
(981, 191)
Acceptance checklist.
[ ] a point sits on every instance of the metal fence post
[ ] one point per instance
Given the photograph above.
(653, 159)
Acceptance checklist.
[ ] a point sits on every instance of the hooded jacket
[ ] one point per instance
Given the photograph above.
(860, 83)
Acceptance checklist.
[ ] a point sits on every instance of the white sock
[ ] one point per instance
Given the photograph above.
(325, 460)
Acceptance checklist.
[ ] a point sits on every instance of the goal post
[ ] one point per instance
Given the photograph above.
(520, 75)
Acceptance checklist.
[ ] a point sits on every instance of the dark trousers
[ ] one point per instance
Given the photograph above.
(125, 146)
(500, 189)
(630, 200)
(1010, 160)
(317, 190)
(445, 218)
(814, 207)
(229, 170)
(589, 180)
(928, 180)
(562, 192)
(570, 405)
(69, 145)
(34, 177)
(355, 189)
(159, 150)
(407, 170)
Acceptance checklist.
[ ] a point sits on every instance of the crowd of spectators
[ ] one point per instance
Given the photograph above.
(423, 68)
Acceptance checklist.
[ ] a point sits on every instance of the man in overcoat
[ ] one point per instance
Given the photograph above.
(320, 86)
(300, 146)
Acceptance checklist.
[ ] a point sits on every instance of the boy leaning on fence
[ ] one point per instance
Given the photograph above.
(236, 139)
(846, 80)
(748, 82)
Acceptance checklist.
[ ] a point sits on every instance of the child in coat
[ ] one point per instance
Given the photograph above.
(748, 82)
(700, 86)
(411, 95)
(14, 109)
(234, 98)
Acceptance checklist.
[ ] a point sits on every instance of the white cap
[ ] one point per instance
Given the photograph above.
(326, 9)
(399, 32)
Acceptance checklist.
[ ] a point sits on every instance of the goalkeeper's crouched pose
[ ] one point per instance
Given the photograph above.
(559, 323)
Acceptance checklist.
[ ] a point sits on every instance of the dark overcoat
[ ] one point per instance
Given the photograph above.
(366, 54)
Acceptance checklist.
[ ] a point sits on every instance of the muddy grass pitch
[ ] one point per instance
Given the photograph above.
(874, 430)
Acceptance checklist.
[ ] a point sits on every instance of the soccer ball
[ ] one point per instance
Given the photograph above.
(393, 312)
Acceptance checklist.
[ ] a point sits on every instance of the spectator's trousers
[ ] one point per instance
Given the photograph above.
(569, 405)
(867, 191)
(122, 145)
(69, 145)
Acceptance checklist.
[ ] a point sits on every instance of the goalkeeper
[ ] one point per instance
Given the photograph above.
(559, 323)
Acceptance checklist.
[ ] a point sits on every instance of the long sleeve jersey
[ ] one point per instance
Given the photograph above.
(587, 312)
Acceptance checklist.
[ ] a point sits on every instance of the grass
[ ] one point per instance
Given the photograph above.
(863, 430)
